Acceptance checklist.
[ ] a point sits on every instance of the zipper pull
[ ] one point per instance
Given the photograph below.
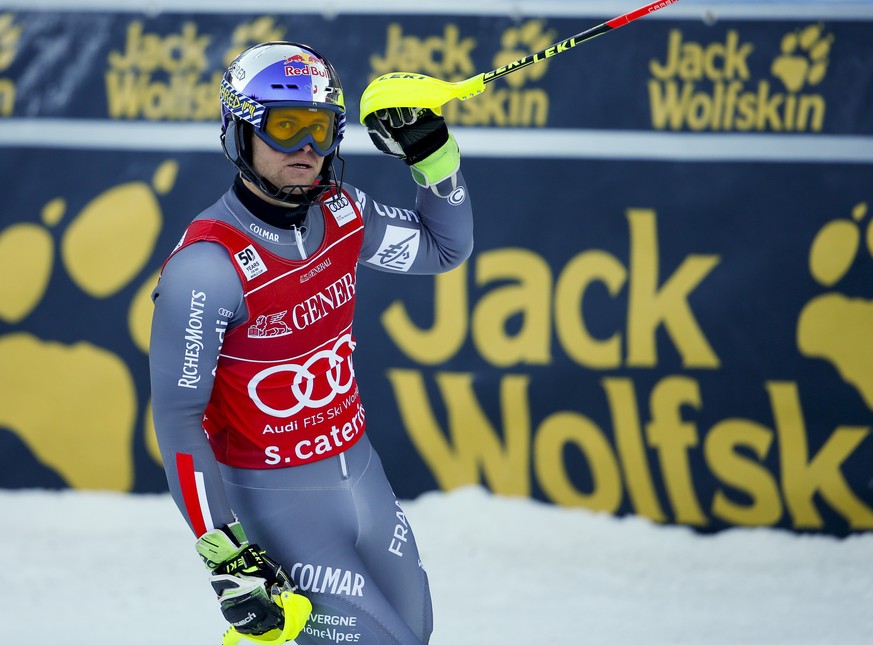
(299, 239)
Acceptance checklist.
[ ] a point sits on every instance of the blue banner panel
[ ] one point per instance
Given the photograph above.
(728, 76)
(668, 310)
(650, 350)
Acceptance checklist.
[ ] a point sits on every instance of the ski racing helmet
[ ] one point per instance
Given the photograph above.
(288, 95)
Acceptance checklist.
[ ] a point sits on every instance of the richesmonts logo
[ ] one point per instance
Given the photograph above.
(720, 86)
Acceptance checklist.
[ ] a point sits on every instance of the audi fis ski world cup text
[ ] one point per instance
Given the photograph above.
(322, 444)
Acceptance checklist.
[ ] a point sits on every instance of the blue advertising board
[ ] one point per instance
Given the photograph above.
(667, 312)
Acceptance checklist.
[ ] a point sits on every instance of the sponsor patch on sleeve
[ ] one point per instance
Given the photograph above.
(250, 262)
(398, 249)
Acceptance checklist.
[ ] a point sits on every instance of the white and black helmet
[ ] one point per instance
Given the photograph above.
(274, 79)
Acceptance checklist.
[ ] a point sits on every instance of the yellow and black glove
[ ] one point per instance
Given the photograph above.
(247, 581)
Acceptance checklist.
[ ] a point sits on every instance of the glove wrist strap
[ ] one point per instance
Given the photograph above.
(439, 166)
(236, 530)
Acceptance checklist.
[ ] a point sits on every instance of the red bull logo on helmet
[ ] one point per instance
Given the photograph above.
(307, 70)
(304, 64)
(301, 58)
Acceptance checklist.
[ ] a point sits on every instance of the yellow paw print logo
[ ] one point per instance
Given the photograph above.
(834, 327)
(75, 406)
(519, 42)
(804, 58)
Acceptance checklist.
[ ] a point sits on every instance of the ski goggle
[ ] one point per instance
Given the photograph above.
(288, 129)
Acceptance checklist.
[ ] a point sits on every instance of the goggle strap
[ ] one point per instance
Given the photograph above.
(240, 105)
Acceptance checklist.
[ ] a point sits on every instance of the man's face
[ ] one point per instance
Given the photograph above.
(299, 168)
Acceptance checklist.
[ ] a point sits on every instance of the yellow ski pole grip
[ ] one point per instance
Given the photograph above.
(408, 89)
(296, 609)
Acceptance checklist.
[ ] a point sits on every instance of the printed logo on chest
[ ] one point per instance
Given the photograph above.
(250, 262)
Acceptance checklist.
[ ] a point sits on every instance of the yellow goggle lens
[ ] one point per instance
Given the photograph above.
(288, 126)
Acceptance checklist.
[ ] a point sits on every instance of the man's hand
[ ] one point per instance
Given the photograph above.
(419, 137)
(245, 579)
(411, 134)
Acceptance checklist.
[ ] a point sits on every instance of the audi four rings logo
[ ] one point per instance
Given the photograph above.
(337, 377)
(337, 203)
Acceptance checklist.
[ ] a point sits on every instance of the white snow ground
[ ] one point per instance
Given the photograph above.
(87, 568)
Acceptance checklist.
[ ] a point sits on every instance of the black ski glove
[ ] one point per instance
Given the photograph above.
(410, 134)
(245, 580)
